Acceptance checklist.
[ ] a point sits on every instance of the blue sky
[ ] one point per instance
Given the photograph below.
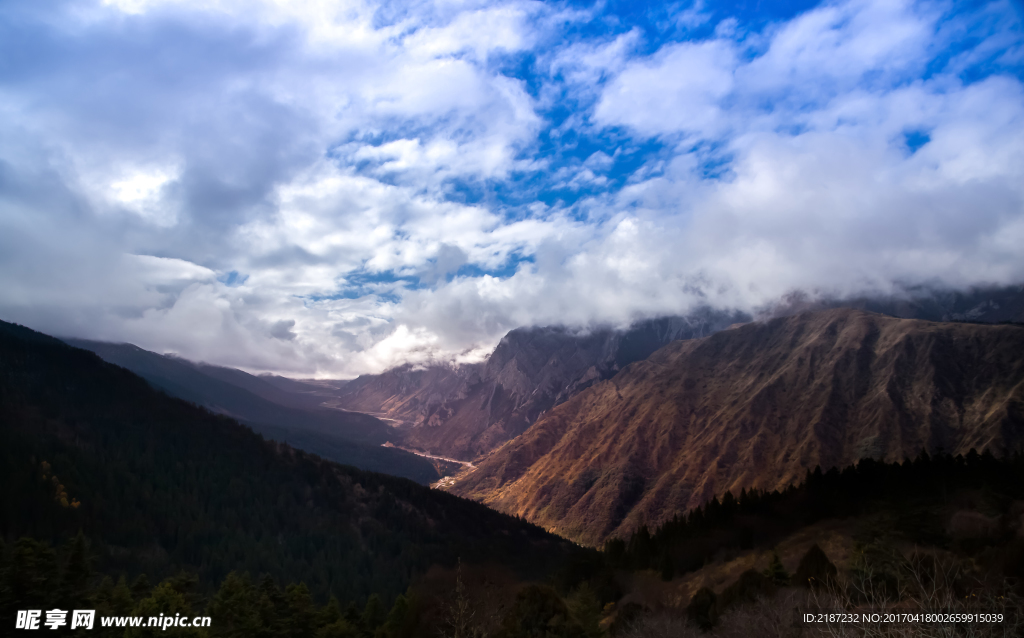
(333, 188)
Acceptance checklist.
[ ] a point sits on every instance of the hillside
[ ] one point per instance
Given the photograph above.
(466, 411)
(979, 305)
(757, 406)
(158, 485)
(293, 415)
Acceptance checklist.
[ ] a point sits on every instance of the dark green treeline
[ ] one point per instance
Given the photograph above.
(913, 496)
(159, 485)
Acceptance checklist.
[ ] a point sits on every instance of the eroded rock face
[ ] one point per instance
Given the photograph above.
(757, 406)
(466, 411)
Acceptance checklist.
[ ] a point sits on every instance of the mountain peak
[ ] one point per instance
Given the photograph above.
(757, 406)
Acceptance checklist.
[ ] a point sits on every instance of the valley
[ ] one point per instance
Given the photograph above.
(465, 411)
(707, 471)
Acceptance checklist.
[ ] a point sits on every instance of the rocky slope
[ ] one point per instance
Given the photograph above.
(466, 411)
(757, 406)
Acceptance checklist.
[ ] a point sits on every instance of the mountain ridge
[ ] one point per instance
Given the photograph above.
(469, 410)
(466, 411)
(298, 419)
(159, 484)
(756, 406)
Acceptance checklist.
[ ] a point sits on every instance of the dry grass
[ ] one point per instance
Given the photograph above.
(927, 582)
(835, 537)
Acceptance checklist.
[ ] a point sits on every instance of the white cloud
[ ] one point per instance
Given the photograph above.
(331, 188)
(679, 89)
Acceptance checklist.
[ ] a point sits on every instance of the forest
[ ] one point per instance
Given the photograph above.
(121, 499)
(159, 485)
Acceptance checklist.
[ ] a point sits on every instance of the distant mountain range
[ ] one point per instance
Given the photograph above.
(506, 413)
(159, 485)
(466, 411)
(757, 406)
(979, 305)
(281, 409)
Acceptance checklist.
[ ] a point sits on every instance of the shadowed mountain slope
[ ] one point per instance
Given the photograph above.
(757, 406)
(979, 305)
(291, 417)
(466, 411)
(158, 484)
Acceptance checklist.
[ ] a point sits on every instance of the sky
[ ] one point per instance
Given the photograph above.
(326, 188)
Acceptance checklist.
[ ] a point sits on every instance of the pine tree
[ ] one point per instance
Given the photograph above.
(102, 595)
(815, 569)
(121, 602)
(168, 602)
(32, 575)
(331, 613)
(374, 615)
(776, 572)
(301, 611)
(585, 610)
(341, 628)
(703, 608)
(141, 587)
(75, 579)
(269, 607)
(397, 623)
(233, 608)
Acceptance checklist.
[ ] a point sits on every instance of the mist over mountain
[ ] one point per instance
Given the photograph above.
(465, 411)
(756, 407)
(991, 304)
(599, 266)
(245, 185)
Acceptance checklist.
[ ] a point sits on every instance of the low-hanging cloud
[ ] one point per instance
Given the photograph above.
(327, 188)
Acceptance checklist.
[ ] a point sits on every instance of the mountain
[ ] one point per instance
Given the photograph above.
(318, 389)
(1000, 304)
(408, 394)
(292, 417)
(158, 485)
(757, 406)
(466, 411)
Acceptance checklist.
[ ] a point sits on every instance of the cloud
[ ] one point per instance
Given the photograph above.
(332, 188)
(680, 89)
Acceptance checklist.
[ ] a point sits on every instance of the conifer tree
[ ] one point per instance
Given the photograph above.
(164, 602)
(703, 608)
(585, 610)
(301, 611)
(102, 595)
(269, 608)
(397, 623)
(75, 579)
(32, 575)
(331, 613)
(341, 628)
(234, 607)
(776, 572)
(121, 601)
(374, 615)
(141, 587)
